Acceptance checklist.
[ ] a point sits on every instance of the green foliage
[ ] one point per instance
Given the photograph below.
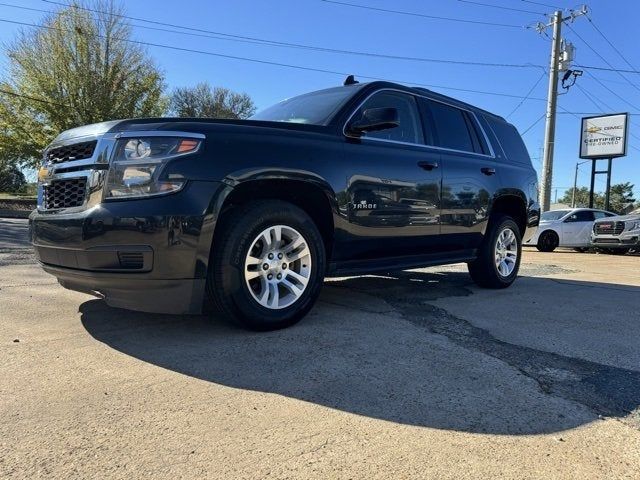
(620, 199)
(79, 69)
(205, 101)
(11, 178)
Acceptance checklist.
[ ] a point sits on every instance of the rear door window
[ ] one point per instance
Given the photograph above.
(509, 139)
(455, 128)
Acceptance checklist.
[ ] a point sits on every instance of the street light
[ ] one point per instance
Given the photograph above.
(575, 184)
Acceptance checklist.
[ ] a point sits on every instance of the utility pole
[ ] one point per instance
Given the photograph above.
(552, 102)
(556, 63)
(575, 184)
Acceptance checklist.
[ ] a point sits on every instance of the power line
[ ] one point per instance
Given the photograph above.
(480, 4)
(612, 69)
(544, 74)
(555, 7)
(533, 124)
(14, 94)
(591, 98)
(422, 15)
(609, 42)
(261, 41)
(576, 114)
(602, 57)
(279, 64)
(614, 93)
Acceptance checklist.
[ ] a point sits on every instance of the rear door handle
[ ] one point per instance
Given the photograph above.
(488, 170)
(428, 165)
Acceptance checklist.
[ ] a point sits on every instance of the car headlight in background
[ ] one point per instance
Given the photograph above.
(138, 163)
(635, 225)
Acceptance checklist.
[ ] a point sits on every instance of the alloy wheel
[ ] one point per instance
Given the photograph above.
(506, 252)
(278, 267)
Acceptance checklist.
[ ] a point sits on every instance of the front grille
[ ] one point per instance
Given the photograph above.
(67, 153)
(65, 193)
(606, 240)
(608, 228)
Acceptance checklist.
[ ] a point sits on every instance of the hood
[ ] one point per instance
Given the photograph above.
(621, 218)
(175, 123)
(92, 129)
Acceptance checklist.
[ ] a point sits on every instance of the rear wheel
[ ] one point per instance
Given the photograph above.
(498, 260)
(548, 241)
(268, 265)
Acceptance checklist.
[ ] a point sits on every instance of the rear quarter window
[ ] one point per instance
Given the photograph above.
(510, 140)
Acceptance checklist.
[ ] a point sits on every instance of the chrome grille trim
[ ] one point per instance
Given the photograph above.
(92, 170)
(71, 152)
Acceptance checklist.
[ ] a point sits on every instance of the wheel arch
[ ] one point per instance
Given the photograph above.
(313, 196)
(513, 204)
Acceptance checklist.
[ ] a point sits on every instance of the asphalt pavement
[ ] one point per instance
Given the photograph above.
(415, 374)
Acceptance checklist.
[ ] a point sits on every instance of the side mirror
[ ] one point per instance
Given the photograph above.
(375, 119)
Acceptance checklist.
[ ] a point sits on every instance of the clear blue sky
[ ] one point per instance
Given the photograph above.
(318, 23)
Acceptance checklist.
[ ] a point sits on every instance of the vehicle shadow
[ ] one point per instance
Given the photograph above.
(375, 346)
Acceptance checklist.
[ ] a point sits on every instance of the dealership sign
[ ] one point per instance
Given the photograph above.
(604, 136)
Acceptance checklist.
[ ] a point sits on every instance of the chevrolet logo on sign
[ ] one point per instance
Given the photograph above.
(593, 129)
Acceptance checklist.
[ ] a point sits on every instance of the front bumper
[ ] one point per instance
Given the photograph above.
(149, 255)
(624, 240)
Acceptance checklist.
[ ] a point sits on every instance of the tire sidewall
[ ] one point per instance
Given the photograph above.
(502, 225)
(550, 246)
(255, 315)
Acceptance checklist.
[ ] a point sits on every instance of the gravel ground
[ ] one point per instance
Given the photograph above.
(415, 374)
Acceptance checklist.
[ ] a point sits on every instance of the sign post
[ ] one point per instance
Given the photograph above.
(603, 137)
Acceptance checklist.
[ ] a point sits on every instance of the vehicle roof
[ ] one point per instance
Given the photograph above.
(428, 93)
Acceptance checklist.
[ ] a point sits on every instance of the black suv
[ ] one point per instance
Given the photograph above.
(172, 214)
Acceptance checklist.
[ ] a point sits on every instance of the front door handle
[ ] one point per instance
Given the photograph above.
(428, 165)
(488, 171)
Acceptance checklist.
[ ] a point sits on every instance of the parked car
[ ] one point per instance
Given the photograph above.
(566, 228)
(163, 214)
(618, 234)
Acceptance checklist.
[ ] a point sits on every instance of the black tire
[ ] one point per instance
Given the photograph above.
(483, 270)
(616, 251)
(548, 241)
(226, 285)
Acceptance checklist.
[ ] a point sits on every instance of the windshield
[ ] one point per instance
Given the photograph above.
(553, 215)
(315, 108)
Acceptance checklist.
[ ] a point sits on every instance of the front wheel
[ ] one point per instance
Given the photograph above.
(548, 241)
(498, 259)
(268, 265)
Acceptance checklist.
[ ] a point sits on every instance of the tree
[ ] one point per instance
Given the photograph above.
(620, 197)
(582, 198)
(79, 68)
(213, 102)
(11, 178)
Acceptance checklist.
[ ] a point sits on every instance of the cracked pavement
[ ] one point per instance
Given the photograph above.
(415, 374)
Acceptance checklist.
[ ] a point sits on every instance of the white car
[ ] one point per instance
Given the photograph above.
(566, 228)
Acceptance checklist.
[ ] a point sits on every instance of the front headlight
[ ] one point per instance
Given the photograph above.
(635, 225)
(137, 166)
